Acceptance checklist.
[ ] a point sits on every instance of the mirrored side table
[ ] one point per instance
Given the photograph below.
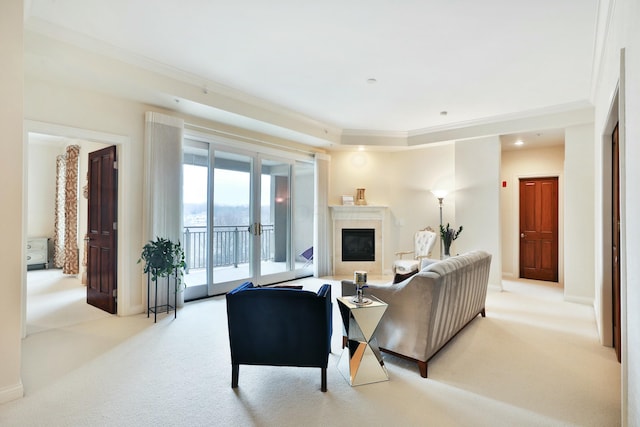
(361, 361)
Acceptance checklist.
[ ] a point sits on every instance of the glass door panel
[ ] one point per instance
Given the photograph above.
(195, 218)
(275, 220)
(232, 244)
(303, 217)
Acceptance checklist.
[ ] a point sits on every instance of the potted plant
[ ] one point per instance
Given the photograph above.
(164, 258)
(448, 235)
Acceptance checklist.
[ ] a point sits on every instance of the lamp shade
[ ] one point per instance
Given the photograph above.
(440, 194)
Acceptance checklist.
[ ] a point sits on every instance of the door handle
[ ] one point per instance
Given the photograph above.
(522, 235)
(255, 229)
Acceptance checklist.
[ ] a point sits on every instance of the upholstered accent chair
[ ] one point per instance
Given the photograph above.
(423, 242)
(279, 327)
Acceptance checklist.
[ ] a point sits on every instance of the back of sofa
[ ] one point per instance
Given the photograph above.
(461, 294)
(427, 309)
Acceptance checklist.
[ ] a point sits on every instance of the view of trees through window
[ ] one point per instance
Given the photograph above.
(231, 190)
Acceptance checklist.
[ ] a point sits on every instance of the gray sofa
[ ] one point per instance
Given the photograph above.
(429, 308)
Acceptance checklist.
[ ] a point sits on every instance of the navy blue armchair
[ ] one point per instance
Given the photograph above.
(279, 327)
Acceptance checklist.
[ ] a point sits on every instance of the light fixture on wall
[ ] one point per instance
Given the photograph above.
(440, 195)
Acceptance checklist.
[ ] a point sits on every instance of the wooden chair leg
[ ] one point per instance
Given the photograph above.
(423, 368)
(344, 341)
(235, 370)
(323, 387)
(483, 313)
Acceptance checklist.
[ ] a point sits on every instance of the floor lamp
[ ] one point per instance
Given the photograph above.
(440, 195)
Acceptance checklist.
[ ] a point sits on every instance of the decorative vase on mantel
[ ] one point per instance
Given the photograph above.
(360, 200)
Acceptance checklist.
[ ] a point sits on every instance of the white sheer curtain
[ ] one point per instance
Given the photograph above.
(322, 240)
(163, 181)
(163, 160)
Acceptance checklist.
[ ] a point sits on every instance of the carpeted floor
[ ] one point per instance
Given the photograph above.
(534, 360)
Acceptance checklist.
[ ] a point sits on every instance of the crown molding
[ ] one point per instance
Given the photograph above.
(177, 90)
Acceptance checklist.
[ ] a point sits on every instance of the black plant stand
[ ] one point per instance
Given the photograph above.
(164, 307)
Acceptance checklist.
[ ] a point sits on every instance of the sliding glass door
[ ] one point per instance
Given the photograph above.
(238, 218)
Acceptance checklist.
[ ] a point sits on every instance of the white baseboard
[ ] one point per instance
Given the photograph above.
(11, 392)
(579, 300)
(508, 275)
(135, 309)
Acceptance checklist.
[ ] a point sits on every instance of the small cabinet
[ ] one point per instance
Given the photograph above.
(38, 252)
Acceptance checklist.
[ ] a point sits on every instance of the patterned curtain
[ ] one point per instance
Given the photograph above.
(58, 238)
(71, 262)
(66, 212)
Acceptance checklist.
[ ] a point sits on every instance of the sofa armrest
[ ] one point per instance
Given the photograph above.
(405, 326)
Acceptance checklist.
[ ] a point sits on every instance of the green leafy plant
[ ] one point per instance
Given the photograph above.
(448, 235)
(163, 258)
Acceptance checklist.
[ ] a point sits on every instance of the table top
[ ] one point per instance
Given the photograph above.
(347, 301)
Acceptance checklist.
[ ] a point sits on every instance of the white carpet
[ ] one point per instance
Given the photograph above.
(55, 300)
(533, 361)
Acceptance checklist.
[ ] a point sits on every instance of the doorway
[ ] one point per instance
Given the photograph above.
(49, 293)
(539, 228)
(39, 197)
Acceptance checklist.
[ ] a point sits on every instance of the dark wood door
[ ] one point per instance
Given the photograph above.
(102, 225)
(615, 239)
(539, 229)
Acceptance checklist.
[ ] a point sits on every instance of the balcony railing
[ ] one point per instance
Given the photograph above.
(231, 245)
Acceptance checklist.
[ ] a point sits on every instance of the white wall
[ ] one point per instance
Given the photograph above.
(477, 176)
(579, 241)
(12, 251)
(619, 29)
(413, 207)
(526, 163)
(41, 188)
(402, 181)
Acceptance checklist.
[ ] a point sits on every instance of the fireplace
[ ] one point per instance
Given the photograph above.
(368, 223)
(358, 244)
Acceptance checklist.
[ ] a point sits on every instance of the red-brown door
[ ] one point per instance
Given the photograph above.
(539, 229)
(102, 243)
(615, 238)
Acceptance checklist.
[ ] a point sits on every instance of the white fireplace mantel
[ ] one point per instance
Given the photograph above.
(358, 216)
(358, 212)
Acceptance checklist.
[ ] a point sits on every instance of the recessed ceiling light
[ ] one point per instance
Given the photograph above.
(518, 142)
(372, 81)
(443, 113)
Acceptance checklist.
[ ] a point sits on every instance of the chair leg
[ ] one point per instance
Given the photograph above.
(235, 369)
(423, 368)
(483, 313)
(323, 387)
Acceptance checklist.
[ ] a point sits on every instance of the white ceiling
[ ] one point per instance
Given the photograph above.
(477, 61)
